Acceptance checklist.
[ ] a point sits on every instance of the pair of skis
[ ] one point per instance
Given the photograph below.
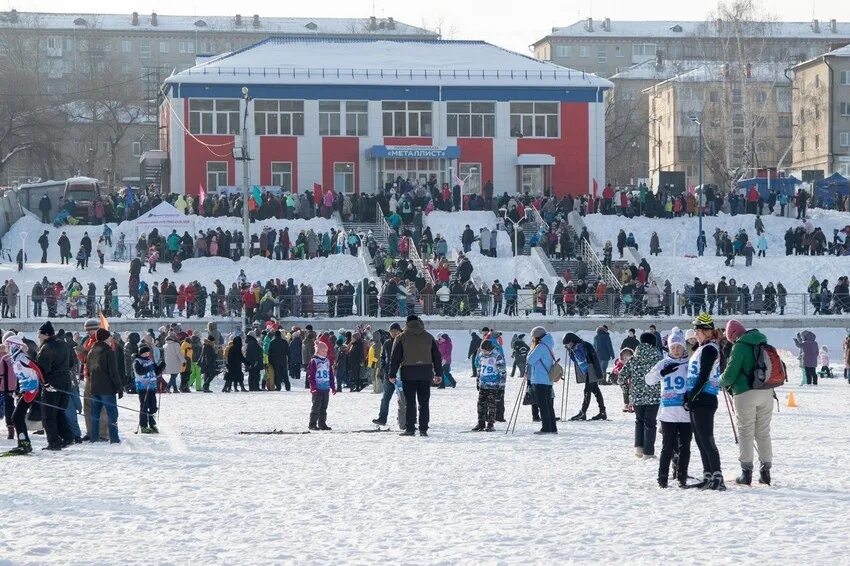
(276, 432)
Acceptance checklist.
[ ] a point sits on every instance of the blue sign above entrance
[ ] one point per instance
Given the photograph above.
(413, 151)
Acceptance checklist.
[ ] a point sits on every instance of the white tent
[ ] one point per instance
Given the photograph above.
(166, 218)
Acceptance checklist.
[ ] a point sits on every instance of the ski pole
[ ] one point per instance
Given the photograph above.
(729, 411)
(117, 405)
(516, 418)
(566, 388)
(515, 410)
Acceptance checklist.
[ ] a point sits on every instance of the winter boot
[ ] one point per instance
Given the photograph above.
(579, 417)
(23, 447)
(600, 417)
(764, 474)
(324, 427)
(313, 427)
(746, 477)
(408, 433)
(489, 427)
(379, 422)
(701, 485)
(715, 482)
(662, 483)
(11, 433)
(479, 427)
(639, 452)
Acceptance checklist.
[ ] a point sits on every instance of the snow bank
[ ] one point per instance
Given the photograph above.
(506, 269)
(678, 239)
(451, 225)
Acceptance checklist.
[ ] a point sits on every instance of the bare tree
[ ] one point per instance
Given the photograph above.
(625, 130)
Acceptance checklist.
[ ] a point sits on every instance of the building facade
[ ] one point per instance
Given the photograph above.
(821, 109)
(69, 52)
(356, 114)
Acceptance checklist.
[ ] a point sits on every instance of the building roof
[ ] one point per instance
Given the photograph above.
(713, 72)
(399, 62)
(170, 23)
(840, 52)
(649, 71)
(679, 28)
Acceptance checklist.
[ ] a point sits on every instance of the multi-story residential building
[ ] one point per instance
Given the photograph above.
(609, 46)
(821, 110)
(71, 52)
(745, 112)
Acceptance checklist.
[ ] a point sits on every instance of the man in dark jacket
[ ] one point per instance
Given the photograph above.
(387, 379)
(415, 353)
(43, 243)
(278, 355)
(295, 355)
(354, 363)
(106, 383)
(53, 359)
(588, 371)
(467, 238)
(253, 361)
(474, 344)
(604, 348)
(631, 342)
(44, 206)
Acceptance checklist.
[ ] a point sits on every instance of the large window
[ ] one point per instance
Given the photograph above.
(282, 175)
(164, 46)
(844, 139)
(562, 50)
(845, 78)
(471, 119)
(216, 175)
(344, 177)
(357, 118)
(407, 119)
(279, 117)
(145, 48)
(126, 46)
(534, 119)
(330, 118)
(186, 46)
(602, 53)
(213, 116)
(643, 51)
(845, 108)
(470, 174)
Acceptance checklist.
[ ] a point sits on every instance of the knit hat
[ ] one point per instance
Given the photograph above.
(487, 346)
(571, 338)
(144, 350)
(676, 337)
(704, 322)
(734, 330)
(690, 334)
(321, 349)
(395, 326)
(648, 338)
(102, 335)
(8, 334)
(46, 329)
(537, 332)
(92, 324)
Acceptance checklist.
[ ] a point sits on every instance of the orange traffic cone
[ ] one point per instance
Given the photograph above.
(792, 401)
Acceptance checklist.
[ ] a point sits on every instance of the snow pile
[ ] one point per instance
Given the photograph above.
(522, 268)
(331, 479)
(677, 237)
(451, 225)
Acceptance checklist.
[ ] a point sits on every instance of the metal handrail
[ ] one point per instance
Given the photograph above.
(589, 256)
(537, 218)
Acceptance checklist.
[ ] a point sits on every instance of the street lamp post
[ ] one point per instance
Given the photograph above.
(700, 243)
(244, 157)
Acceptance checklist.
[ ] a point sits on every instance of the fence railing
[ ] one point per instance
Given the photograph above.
(527, 301)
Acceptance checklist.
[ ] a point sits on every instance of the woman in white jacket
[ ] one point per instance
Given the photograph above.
(676, 433)
(174, 360)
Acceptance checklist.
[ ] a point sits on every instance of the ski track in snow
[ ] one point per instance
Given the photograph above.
(201, 493)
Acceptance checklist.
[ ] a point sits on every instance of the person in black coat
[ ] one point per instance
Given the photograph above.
(354, 361)
(43, 243)
(253, 361)
(44, 206)
(234, 360)
(587, 369)
(474, 345)
(278, 360)
(53, 359)
(295, 356)
(208, 362)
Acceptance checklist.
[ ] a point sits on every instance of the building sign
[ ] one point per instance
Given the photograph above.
(413, 151)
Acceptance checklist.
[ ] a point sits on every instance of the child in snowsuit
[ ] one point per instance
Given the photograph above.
(146, 372)
(676, 432)
(321, 377)
(29, 380)
(625, 355)
(492, 375)
(823, 362)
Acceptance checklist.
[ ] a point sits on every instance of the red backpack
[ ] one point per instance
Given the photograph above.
(769, 370)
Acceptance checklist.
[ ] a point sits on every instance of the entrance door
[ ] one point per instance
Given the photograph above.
(532, 179)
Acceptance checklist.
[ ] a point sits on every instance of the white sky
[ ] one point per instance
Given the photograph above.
(509, 23)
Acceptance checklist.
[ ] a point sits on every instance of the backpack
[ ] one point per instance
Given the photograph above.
(556, 372)
(769, 371)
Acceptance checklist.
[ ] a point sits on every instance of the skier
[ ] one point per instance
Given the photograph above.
(321, 377)
(491, 385)
(588, 371)
(29, 380)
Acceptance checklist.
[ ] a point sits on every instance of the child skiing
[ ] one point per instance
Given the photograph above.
(321, 377)
(672, 373)
(29, 378)
(146, 372)
(492, 375)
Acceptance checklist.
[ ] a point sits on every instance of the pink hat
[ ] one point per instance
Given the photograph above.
(734, 330)
(321, 349)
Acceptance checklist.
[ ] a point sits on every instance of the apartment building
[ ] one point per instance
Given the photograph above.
(821, 110)
(608, 46)
(745, 112)
(141, 51)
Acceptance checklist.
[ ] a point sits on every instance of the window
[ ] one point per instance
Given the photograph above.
(619, 52)
(216, 175)
(357, 118)
(330, 118)
(761, 97)
(145, 49)
(125, 68)
(279, 117)
(471, 119)
(406, 119)
(282, 175)
(344, 177)
(845, 109)
(53, 43)
(844, 139)
(817, 112)
(137, 149)
(713, 96)
(845, 78)
(534, 119)
(104, 147)
(186, 46)
(602, 54)
(643, 50)
(562, 51)
(784, 126)
(208, 48)
(802, 144)
(213, 116)
(164, 46)
(583, 51)
(470, 174)
(126, 46)
(817, 81)
(817, 141)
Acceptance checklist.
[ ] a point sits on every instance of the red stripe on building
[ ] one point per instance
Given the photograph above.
(480, 151)
(198, 154)
(336, 149)
(278, 148)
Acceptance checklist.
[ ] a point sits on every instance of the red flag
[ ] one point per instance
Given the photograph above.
(317, 193)
(202, 194)
(103, 322)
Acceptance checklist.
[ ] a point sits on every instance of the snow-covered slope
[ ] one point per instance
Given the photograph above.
(678, 244)
(451, 225)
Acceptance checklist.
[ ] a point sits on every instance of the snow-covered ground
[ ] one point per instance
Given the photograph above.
(318, 272)
(678, 243)
(451, 225)
(201, 493)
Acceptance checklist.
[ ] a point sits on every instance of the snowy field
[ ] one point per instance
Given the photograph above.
(678, 240)
(451, 225)
(319, 272)
(200, 493)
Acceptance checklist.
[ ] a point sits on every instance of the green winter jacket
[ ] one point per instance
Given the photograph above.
(633, 373)
(742, 362)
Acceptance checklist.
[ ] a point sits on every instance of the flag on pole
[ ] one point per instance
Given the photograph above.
(103, 322)
(202, 194)
(257, 194)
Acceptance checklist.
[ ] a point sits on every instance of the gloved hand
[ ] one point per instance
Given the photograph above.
(333, 391)
(669, 369)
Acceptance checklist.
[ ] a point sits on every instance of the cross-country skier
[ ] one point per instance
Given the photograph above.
(29, 378)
